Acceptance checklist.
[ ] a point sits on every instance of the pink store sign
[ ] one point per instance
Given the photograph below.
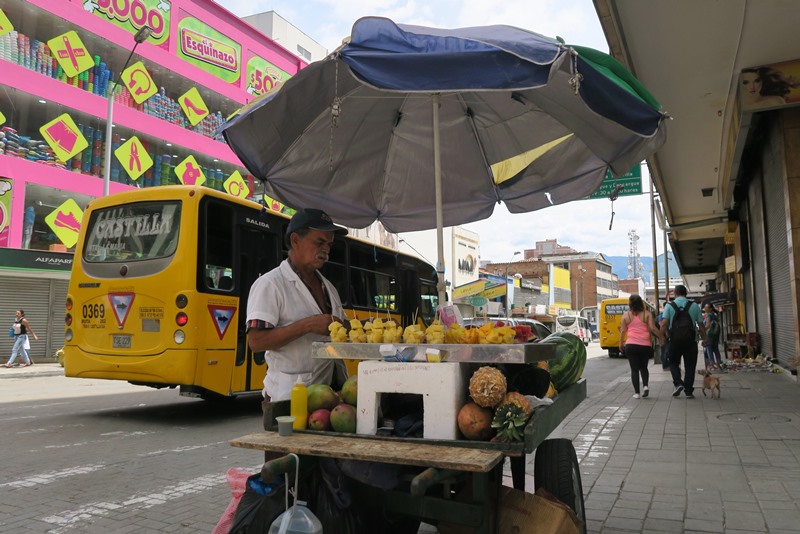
(132, 15)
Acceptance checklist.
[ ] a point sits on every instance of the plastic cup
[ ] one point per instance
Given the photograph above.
(285, 423)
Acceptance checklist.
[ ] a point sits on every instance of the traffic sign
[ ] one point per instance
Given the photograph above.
(631, 183)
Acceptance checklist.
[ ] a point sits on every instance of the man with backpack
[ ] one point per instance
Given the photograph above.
(681, 321)
(713, 356)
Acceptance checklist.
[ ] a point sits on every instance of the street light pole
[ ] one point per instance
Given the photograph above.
(508, 304)
(141, 36)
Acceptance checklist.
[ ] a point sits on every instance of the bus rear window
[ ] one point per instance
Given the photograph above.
(140, 231)
(566, 320)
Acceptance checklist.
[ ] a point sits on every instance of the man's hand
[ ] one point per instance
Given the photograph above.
(319, 323)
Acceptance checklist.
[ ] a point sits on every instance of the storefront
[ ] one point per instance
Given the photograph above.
(36, 282)
(58, 64)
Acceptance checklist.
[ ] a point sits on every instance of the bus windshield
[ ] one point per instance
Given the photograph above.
(144, 230)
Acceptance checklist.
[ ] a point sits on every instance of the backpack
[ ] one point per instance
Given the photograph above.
(681, 330)
(713, 327)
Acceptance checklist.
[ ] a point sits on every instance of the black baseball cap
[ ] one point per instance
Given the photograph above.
(313, 219)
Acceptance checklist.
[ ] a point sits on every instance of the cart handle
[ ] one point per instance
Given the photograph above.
(279, 466)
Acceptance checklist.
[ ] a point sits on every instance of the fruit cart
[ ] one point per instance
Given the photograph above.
(470, 470)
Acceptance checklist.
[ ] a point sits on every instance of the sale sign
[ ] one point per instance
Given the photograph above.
(134, 157)
(71, 54)
(64, 137)
(132, 15)
(189, 172)
(236, 186)
(193, 106)
(5, 24)
(263, 76)
(65, 221)
(139, 82)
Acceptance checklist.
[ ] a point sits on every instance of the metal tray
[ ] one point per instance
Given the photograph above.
(402, 352)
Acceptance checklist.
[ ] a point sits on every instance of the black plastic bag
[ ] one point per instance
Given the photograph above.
(257, 511)
(330, 498)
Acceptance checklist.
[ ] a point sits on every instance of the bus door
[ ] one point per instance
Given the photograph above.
(257, 254)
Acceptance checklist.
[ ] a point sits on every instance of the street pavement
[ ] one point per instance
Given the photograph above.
(672, 464)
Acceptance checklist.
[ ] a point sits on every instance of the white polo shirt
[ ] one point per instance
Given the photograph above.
(280, 298)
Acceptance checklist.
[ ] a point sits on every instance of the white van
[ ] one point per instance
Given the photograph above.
(575, 324)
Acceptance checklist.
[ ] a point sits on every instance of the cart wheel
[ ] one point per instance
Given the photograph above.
(555, 469)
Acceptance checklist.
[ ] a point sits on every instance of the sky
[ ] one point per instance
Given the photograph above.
(582, 225)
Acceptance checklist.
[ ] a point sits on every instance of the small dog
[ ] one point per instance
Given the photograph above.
(710, 382)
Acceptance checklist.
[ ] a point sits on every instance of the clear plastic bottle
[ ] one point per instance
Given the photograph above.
(299, 405)
(298, 520)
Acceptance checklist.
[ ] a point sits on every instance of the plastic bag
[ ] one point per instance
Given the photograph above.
(237, 478)
(11, 332)
(259, 506)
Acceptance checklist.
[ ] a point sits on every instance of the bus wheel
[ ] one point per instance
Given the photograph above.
(613, 353)
(556, 469)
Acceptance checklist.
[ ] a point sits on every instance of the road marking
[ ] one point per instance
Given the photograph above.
(182, 449)
(47, 478)
(70, 519)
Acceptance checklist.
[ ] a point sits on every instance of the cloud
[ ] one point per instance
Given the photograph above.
(4, 187)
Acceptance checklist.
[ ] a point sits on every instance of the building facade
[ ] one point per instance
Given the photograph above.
(58, 64)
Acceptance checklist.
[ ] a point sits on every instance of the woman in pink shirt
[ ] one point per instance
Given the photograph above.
(636, 343)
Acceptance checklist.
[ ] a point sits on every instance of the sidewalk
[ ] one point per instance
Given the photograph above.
(37, 369)
(664, 464)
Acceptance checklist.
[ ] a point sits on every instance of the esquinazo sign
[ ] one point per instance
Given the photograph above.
(209, 50)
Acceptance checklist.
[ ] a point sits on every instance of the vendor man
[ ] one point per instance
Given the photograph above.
(292, 306)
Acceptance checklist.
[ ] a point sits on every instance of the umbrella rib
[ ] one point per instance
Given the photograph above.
(486, 166)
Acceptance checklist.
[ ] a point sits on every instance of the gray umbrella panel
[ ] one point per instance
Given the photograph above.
(377, 161)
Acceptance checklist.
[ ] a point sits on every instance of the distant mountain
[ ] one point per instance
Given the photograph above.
(619, 266)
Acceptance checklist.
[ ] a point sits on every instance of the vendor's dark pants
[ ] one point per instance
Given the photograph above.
(687, 351)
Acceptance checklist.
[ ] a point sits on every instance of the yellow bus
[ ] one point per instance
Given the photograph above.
(611, 311)
(160, 281)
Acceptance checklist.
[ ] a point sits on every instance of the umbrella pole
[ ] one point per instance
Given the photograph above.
(437, 181)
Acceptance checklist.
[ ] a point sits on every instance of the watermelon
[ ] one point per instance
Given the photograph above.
(567, 366)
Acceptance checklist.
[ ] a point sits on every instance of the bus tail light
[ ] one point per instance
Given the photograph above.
(68, 334)
(68, 304)
(181, 319)
(179, 336)
(68, 319)
(181, 301)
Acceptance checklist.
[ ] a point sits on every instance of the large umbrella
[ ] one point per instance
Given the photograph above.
(423, 127)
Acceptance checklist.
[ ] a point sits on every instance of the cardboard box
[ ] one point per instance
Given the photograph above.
(539, 513)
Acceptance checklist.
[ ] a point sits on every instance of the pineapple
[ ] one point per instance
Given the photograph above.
(413, 335)
(519, 399)
(434, 334)
(338, 332)
(509, 420)
(487, 387)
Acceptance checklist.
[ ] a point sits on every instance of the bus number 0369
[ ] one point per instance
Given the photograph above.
(94, 311)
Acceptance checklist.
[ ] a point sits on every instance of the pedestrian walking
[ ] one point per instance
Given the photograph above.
(636, 343)
(711, 321)
(682, 320)
(20, 330)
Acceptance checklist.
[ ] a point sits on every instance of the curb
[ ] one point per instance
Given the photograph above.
(33, 371)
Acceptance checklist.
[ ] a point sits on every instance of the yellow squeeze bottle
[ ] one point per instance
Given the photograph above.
(299, 405)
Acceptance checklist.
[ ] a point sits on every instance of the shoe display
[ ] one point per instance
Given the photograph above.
(646, 391)
(678, 390)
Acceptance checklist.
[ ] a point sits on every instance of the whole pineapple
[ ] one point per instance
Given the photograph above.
(509, 420)
(487, 387)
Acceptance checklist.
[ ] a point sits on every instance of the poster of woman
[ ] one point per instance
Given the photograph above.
(770, 86)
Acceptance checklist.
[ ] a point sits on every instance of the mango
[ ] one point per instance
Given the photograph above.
(349, 392)
(320, 420)
(343, 418)
(321, 396)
